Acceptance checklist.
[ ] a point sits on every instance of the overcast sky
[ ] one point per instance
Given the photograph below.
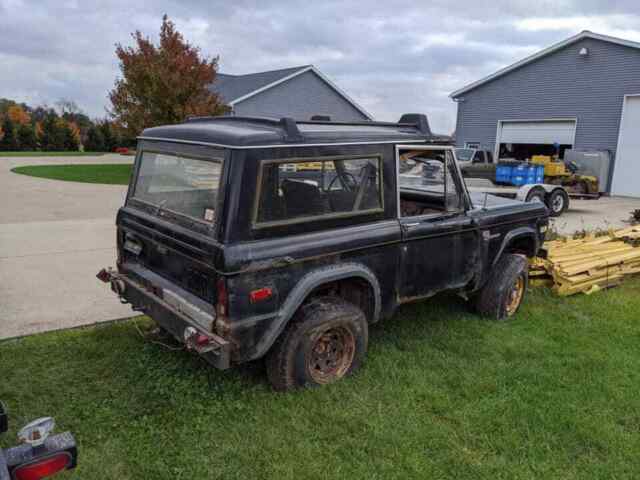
(391, 57)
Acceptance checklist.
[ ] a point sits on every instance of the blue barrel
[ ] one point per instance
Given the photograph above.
(503, 173)
(539, 174)
(518, 180)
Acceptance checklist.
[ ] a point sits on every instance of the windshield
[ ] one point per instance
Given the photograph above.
(465, 154)
(179, 184)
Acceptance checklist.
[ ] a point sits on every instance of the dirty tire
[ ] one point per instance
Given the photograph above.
(497, 299)
(324, 342)
(557, 203)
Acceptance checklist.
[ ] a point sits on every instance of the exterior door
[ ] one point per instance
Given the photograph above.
(626, 170)
(439, 239)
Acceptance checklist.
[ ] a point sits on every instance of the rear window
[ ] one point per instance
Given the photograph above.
(183, 185)
(301, 190)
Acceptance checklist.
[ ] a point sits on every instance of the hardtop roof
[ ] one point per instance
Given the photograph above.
(238, 132)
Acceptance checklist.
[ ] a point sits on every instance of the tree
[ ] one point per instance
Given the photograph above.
(27, 137)
(70, 137)
(94, 141)
(8, 141)
(52, 137)
(162, 84)
(18, 115)
(109, 135)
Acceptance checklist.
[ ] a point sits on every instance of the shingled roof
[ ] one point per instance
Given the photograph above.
(233, 87)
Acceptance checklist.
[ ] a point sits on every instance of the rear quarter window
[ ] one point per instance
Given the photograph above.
(300, 190)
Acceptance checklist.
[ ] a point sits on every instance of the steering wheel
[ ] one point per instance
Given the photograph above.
(349, 181)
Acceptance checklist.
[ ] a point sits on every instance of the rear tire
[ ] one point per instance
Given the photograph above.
(536, 194)
(504, 292)
(557, 202)
(325, 341)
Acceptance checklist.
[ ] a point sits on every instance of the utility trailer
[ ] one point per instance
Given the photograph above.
(555, 197)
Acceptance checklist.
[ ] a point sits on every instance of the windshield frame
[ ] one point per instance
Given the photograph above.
(200, 153)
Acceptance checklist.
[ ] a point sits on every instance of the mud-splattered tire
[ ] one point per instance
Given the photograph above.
(504, 292)
(324, 342)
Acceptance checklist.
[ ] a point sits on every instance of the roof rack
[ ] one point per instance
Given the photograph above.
(292, 133)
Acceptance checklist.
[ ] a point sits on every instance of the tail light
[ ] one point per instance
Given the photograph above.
(222, 307)
(43, 467)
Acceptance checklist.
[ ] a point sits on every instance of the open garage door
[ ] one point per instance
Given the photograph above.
(626, 169)
(526, 138)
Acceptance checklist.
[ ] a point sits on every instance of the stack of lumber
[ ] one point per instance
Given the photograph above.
(588, 264)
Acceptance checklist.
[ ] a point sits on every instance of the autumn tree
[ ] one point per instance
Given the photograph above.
(18, 115)
(164, 83)
(95, 140)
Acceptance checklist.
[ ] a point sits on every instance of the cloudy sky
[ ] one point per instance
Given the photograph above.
(391, 57)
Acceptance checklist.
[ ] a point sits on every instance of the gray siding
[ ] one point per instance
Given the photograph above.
(300, 98)
(560, 85)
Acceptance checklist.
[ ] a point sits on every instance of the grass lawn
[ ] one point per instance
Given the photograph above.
(114, 174)
(555, 393)
(51, 154)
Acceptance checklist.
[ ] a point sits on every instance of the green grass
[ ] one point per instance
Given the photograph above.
(51, 154)
(113, 174)
(555, 393)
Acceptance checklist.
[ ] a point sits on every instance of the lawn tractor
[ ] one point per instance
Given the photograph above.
(558, 172)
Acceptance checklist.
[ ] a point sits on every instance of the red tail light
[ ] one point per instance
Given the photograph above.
(260, 294)
(222, 307)
(43, 468)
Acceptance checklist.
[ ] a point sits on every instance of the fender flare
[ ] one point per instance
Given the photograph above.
(516, 234)
(305, 286)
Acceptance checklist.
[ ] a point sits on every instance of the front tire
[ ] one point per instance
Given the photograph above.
(504, 292)
(325, 341)
(558, 202)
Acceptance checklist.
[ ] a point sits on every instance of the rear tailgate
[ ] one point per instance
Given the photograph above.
(185, 258)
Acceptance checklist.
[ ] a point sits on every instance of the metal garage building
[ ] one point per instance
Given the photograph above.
(582, 94)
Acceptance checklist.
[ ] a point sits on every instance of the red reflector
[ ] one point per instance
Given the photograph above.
(42, 468)
(260, 294)
(202, 340)
(223, 299)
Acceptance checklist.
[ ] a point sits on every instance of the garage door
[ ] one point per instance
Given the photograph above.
(626, 170)
(542, 132)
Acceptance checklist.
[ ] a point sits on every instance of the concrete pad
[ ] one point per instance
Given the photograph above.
(54, 237)
(602, 214)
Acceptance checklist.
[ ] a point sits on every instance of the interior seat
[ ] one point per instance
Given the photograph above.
(302, 198)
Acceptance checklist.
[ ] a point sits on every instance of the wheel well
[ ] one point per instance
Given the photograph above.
(524, 244)
(353, 289)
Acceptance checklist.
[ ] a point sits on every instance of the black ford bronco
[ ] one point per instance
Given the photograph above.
(254, 237)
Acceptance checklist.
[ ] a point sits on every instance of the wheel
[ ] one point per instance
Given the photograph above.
(557, 202)
(536, 195)
(503, 293)
(324, 342)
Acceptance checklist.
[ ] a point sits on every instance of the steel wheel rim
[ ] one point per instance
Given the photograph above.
(331, 355)
(515, 296)
(558, 203)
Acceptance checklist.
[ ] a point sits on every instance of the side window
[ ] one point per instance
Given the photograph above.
(301, 190)
(427, 184)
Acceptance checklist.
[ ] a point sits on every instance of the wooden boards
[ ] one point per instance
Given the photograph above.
(587, 264)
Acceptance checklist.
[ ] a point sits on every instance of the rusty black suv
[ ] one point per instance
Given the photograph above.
(255, 237)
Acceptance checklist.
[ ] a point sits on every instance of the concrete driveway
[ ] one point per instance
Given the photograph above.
(605, 213)
(54, 237)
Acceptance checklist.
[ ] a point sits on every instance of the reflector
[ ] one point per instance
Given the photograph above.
(43, 467)
(260, 294)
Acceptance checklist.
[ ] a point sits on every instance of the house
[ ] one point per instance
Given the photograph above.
(582, 93)
(298, 92)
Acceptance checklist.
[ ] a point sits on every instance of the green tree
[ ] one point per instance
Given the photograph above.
(110, 136)
(52, 136)
(95, 140)
(27, 138)
(164, 83)
(70, 141)
(8, 141)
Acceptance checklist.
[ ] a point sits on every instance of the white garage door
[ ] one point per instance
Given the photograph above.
(626, 170)
(545, 132)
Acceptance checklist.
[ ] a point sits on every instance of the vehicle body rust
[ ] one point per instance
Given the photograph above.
(232, 224)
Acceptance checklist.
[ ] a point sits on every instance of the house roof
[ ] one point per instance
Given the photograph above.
(553, 48)
(235, 88)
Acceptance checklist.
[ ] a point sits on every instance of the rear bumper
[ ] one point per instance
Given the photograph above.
(216, 350)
